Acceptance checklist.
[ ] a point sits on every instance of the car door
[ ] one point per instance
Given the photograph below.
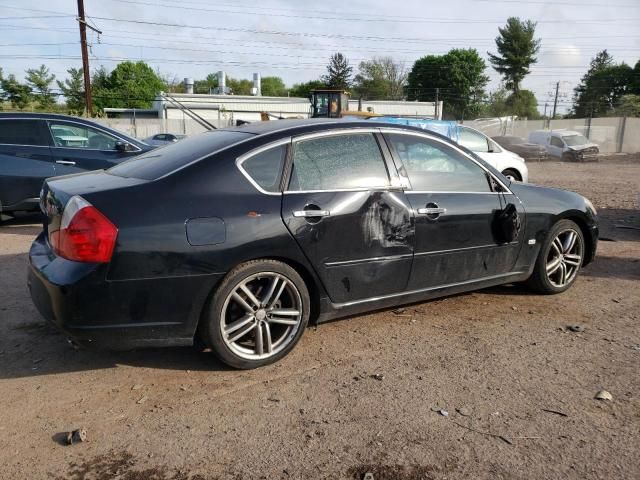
(25, 160)
(347, 212)
(455, 209)
(78, 147)
(556, 146)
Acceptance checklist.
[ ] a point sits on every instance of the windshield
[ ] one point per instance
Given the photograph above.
(161, 161)
(575, 140)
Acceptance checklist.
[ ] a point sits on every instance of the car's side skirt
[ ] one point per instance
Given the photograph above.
(331, 311)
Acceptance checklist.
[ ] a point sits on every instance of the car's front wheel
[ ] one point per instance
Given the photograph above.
(257, 314)
(560, 258)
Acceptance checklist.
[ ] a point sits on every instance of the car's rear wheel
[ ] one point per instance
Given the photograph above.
(560, 258)
(257, 314)
(512, 175)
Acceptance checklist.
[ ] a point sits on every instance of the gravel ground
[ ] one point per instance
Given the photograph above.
(358, 395)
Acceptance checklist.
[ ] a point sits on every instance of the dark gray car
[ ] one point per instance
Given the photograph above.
(528, 151)
(36, 146)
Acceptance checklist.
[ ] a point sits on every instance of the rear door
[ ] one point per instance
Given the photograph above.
(353, 224)
(455, 209)
(25, 160)
(78, 147)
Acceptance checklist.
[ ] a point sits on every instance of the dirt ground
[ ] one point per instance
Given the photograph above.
(357, 395)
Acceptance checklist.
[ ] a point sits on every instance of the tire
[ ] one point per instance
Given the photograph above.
(257, 314)
(556, 255)
(511, 173)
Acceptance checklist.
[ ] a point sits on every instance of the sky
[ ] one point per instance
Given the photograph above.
(294, 39)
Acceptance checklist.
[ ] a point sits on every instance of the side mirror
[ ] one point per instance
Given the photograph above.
(123, 146)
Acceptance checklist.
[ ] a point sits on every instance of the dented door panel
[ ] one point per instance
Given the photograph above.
(362, 247)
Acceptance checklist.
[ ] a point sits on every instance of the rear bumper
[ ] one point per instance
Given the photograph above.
(93, 311)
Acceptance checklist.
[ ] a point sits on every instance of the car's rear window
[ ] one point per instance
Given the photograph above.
(161, 161)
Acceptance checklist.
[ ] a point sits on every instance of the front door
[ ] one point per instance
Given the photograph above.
(556, 146)
(353, 226)
(455, 213)
(78, 147)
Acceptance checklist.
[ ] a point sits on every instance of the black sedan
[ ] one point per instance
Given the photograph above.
(240, 237)
(528, 151)
(35, 146)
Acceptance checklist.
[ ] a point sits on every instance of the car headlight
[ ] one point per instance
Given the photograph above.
(590, 206)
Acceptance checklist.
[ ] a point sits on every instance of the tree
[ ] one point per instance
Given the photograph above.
(628, 106)
(73, 89)
(303, 90)
(523, 104)
(273, 87)
(241, 86)
(206, 85)
(459, 74)
(129, 85)
(15, 92)
(338, 72)
(602, 87)
(40, 80)
(380, 79)
(517, 49)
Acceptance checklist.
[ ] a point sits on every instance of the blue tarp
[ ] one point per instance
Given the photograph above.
(443, 127)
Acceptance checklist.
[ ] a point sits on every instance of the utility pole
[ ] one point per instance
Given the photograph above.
(88, 102)
(544, 123)
(555, 102)
(437, 104)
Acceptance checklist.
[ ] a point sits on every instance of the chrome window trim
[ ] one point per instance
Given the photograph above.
(424, 290)
(456, 192)
(137, 149)
(246, 156)
(345, 131)
(455, 147)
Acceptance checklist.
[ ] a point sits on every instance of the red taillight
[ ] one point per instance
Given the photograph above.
(85, 234)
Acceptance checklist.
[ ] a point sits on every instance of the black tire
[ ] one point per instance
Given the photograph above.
(211, 325)
(539, 280)
(510, 172)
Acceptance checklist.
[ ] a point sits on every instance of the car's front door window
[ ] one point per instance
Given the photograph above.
(72, 135)
(432, 166)
(340, 162)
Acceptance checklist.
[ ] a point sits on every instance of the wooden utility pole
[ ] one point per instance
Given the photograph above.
(437, 104)
(555, 102)
(88, 103)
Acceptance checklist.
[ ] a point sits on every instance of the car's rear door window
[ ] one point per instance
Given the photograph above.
(265, 168)
(23, 132)
(162, 161)
(432, 166)
(338, 162)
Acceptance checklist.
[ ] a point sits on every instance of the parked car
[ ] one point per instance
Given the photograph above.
(527, 150)
(509, 163)
(242, 236)
(161, 139)
(566, 145)
(36, 146)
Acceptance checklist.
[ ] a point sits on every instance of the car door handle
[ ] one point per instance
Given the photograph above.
(432, 211)
(65, 162)
(311, 213)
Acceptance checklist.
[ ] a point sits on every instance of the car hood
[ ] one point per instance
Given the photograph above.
(577, 148)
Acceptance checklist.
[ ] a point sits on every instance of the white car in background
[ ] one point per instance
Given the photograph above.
(510, 164)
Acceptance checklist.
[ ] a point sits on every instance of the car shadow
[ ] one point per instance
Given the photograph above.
(29, 224)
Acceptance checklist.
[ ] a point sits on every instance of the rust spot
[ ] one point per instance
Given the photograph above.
(253, 214)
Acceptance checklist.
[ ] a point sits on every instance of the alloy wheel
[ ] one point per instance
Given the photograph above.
(261, 315)
(564, 258)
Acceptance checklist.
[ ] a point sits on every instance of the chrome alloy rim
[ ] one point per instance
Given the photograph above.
(261, 315)
(564, 258)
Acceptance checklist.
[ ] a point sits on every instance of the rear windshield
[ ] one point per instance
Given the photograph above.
(161, 161)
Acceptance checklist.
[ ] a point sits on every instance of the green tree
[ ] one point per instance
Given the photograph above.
(602, 87)
(15, 92)
(517, 49)
(459, 74)
(380, 79)
(628, 106)
(523, 104)
(240, 86)
(73, 89)
(206, 85)
(129, 85)
(338, 72)
(303, 90)
(40, 80)
(273, 87)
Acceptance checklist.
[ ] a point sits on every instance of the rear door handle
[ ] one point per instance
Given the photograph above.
(311, 213)
(65, 162)
(432, 211)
